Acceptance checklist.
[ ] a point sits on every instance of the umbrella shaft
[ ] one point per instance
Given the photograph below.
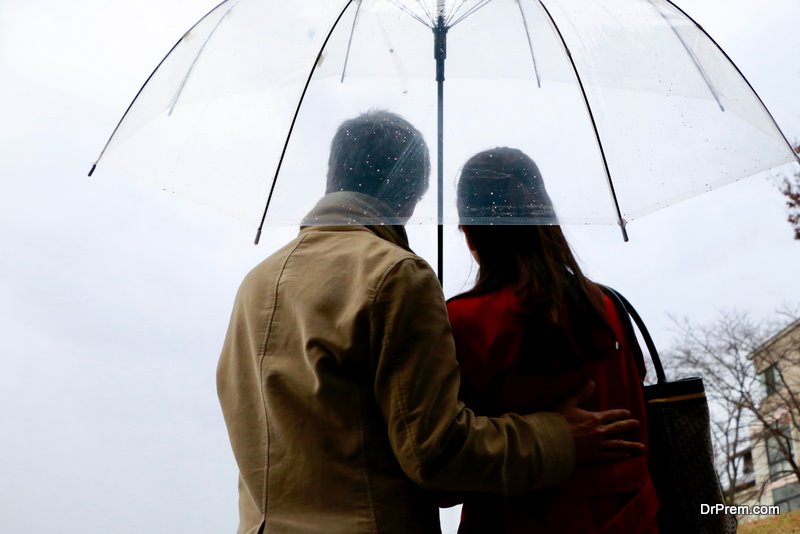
(440, 47)
(440, 54)
(440, 178)
(440, 151)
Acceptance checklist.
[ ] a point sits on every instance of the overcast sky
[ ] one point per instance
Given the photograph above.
(115, 298)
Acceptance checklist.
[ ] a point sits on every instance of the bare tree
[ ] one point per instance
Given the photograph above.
(791, 190)
(752, 380)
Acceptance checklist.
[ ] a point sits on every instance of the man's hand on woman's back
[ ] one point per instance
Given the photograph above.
(597, 434)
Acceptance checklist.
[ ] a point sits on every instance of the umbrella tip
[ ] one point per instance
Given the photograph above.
(91, 171)
(258, 236)
(624, 231)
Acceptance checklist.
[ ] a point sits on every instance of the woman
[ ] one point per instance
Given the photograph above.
(532, 331)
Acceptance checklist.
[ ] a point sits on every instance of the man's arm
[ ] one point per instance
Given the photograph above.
(439, 442)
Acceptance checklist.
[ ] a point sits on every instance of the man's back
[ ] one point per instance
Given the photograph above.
(297, 382)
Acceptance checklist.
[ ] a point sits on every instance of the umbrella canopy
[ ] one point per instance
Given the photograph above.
(627, 106)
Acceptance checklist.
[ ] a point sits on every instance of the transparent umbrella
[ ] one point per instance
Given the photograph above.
(627, 106)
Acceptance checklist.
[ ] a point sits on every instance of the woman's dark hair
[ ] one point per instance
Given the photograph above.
(382, 155)
(534, 260)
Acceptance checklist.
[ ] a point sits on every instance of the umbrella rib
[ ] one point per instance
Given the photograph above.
(530, 42)
(296, 113)
(724, 53)
(350, 41)
(472, 10)
(410, 13)
(147, 81)
(620, 220)
(691, 54)
(194, 62)
(425, 10)
(455, 12)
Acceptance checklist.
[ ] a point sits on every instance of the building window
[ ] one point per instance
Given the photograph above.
(771, 379)
(779, 451)
(787, 497)
(747, 462)
(744, 470)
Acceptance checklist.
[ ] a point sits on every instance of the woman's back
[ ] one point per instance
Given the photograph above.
(515, 358)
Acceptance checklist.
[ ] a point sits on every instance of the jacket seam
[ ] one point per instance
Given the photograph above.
(396, 391)
(261, 359)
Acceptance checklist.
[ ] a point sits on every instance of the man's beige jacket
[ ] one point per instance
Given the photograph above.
(338, 383)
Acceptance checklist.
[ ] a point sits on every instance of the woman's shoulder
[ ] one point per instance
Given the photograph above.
(612, 316)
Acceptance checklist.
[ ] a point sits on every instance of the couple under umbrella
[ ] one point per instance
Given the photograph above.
(339, 376)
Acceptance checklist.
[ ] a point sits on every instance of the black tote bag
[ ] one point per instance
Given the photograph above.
(680, 453)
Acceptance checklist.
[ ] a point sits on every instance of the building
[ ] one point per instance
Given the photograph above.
(768, 468)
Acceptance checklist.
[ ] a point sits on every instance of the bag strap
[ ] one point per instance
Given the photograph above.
(627, 311)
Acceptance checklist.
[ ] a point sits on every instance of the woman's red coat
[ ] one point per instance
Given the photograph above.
(513, 361)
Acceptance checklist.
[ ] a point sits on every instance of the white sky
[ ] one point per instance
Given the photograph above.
(115, 298)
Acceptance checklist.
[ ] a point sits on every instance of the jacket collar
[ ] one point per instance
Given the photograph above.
(348, 209)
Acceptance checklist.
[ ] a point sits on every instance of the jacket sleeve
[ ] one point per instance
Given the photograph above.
(439, 442)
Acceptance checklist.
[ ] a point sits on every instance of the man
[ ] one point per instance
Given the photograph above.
(338, 379)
